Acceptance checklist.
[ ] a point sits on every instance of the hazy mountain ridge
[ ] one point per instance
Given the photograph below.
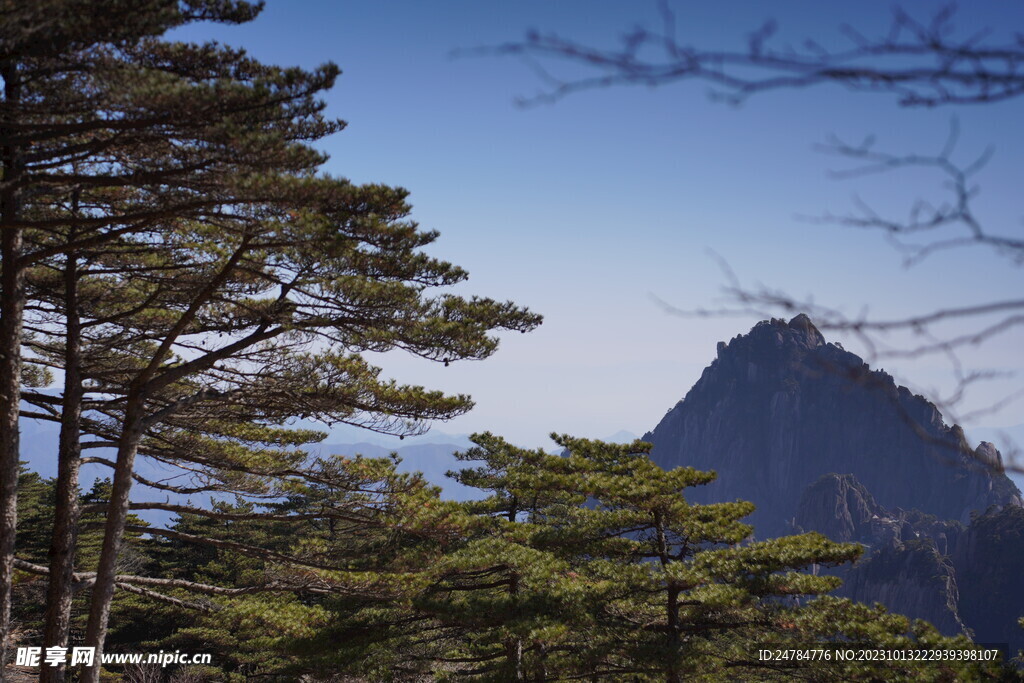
(434, 460)
(432, 456)
(431, 453)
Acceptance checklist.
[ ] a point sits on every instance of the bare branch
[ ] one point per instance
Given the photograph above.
(934, 66)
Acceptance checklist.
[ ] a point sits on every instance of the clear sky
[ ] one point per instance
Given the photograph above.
(584, 209)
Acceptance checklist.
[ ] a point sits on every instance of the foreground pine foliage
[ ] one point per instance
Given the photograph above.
(589, 564)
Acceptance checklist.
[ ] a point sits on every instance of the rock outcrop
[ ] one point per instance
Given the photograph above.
(989, 561)
(838, 506)
(906, 565)
(910, 577)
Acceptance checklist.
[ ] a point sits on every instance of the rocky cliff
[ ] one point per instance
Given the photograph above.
(989, 561)
(960, 578)
(820, 441)
(779, 407)
(907, 565)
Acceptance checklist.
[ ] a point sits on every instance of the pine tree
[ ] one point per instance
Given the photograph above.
(92, 99)
(361, 284)
(195, 161)
(323, 560)
(567, 570)
(36, 514)
(592, 564)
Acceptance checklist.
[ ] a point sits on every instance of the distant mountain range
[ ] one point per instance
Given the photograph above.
(430, 453)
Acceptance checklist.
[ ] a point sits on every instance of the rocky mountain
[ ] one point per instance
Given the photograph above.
(819, 441)
(779, 407)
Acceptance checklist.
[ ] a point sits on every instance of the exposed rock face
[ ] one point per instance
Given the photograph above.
(989, 560)
(910, 577)
(780, 412)
(906, 566)
(838, 506)
(780, 407)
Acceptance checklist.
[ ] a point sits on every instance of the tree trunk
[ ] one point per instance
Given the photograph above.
(66, 510)
(514, 645)
(12, 305)
(514, 653)
(672, 609)
(672, 674)
(113, 531)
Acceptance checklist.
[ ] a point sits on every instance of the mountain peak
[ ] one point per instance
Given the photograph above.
(802, 323)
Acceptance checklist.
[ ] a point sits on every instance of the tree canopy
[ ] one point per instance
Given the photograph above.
(173, 250)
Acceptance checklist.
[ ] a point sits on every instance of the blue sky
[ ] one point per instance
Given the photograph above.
(586, 208)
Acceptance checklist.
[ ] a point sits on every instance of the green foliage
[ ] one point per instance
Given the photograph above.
(193, 275)
(187, 261)
(591, 564)
(587, 564)
(36, 501)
